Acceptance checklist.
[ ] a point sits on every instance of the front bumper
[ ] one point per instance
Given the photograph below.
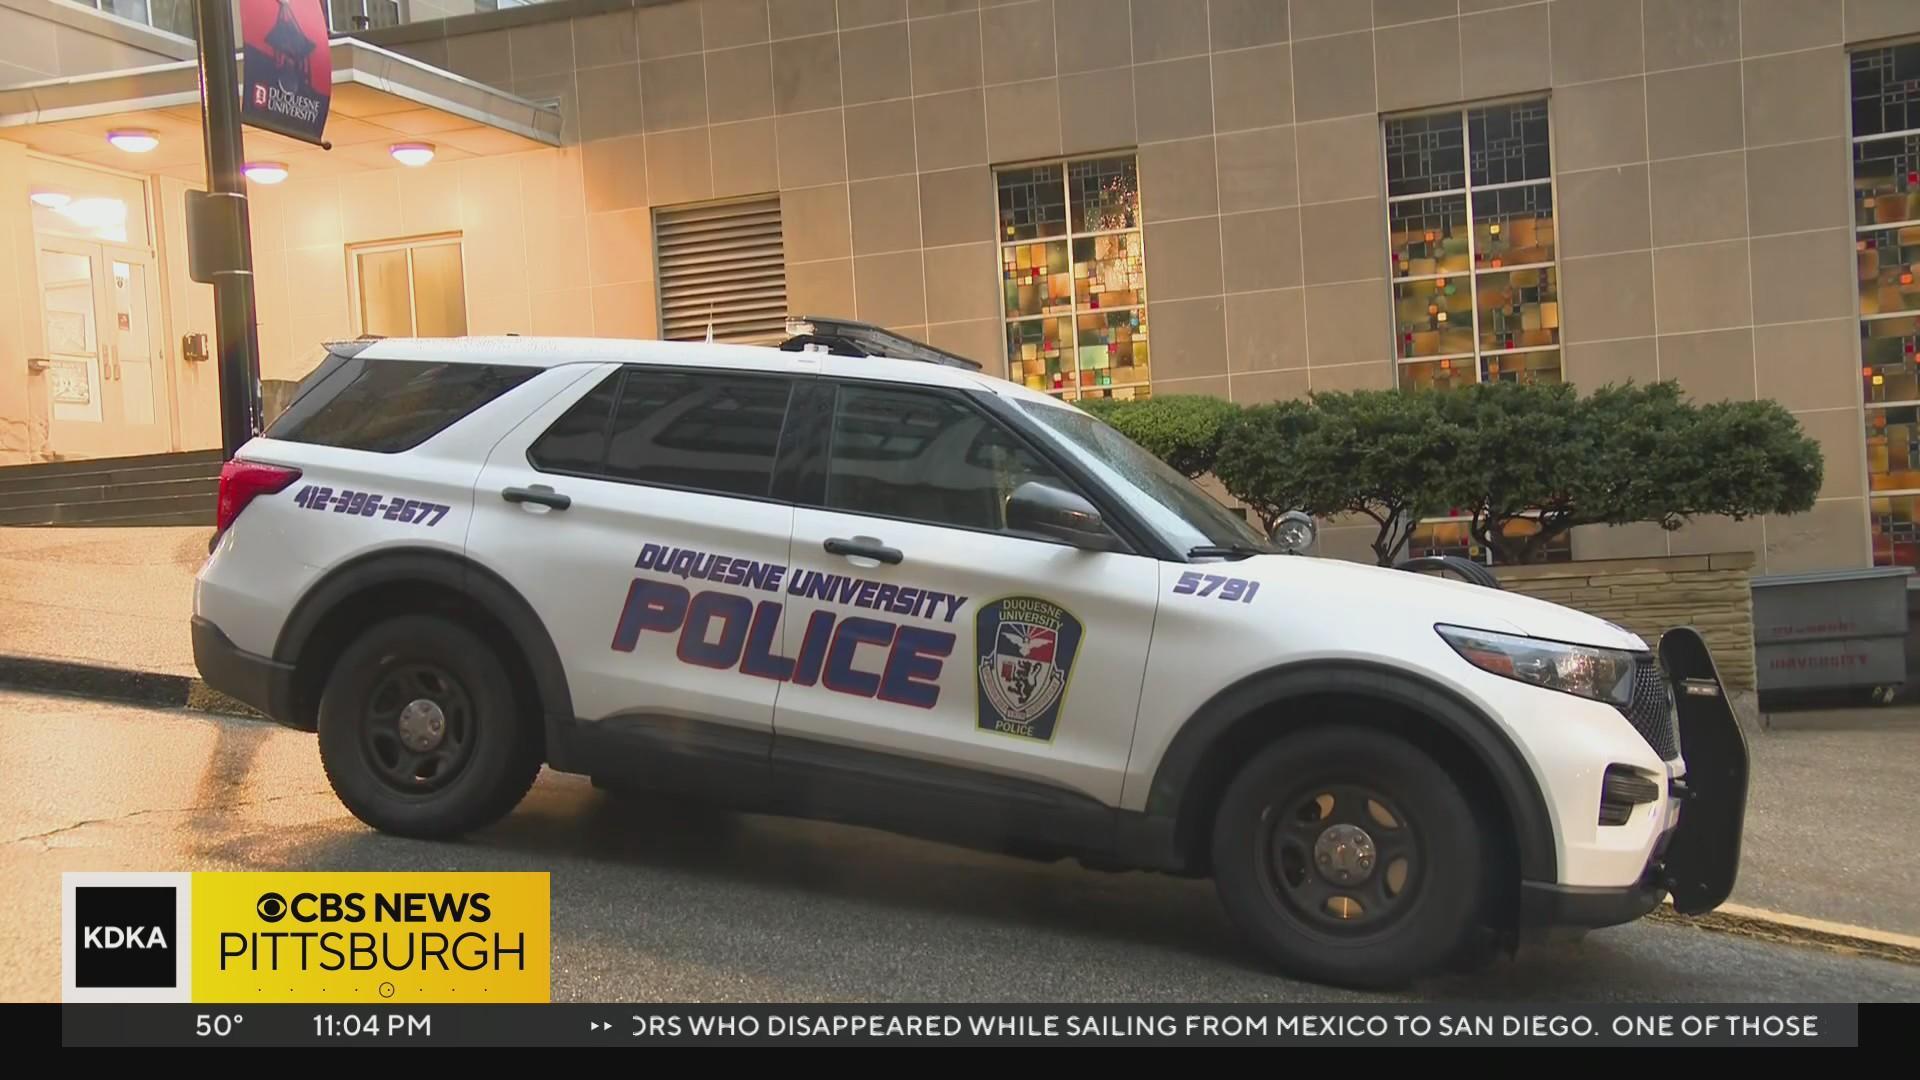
(1697, 857)
(1545, 907)
(258, 681)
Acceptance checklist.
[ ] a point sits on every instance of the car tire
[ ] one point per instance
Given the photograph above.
(457, 763)
(1305, 843)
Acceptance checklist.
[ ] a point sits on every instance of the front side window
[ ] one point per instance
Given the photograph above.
(1886, 223)
(1169, 503)
(1073, 277)
(925, 457)
(712, 432)
(363, 403)
(1471, 232)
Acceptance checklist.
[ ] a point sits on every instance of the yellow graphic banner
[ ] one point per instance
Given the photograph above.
(374, 938)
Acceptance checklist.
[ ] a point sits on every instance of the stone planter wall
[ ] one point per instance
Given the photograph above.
(1649, 596)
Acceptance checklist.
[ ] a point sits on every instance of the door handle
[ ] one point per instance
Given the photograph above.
(539, 495)
(863, 547)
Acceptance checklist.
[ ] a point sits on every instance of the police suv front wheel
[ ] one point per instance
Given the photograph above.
(1349, 856)
(419, 733)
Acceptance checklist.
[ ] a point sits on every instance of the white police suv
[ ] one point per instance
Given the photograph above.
(912, 596)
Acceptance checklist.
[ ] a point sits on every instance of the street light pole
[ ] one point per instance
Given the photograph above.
(235, 336)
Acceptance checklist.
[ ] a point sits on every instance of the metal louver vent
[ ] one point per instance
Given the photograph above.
(721, 264)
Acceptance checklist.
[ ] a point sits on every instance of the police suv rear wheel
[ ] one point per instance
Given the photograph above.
(419, 733)
(1349, 856)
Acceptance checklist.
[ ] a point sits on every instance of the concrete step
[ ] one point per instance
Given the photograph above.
(96, 493)
(194, 509)
(152, 489)
(108, 464)
(181, 517)
(10, 484)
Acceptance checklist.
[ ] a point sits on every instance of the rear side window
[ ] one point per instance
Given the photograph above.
(391, 405)
(577, 442)
(713, 432)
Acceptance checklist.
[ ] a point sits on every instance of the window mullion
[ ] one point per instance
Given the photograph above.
(1473, 263)
(1073, 288)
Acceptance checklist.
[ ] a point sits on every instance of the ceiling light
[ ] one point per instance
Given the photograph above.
(52, 200)
(134, 140)
(266, 172)
(412, 154)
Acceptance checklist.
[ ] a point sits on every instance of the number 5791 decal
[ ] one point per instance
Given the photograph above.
(369, 504)
(1218, 586)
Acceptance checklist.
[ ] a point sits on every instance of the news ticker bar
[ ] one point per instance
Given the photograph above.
(968, 1025)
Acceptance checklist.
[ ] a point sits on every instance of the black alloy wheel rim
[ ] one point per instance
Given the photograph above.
(418, 731)
(1341, 859)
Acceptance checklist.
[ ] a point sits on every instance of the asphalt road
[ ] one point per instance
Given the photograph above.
(658, 901)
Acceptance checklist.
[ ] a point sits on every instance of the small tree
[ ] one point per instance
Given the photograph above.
(1182, 430)
(1390, 456)
(1542, 455)
(1385, 455)
(1261, 455)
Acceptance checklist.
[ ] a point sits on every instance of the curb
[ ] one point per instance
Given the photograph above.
(1761, 924)
(118, 684)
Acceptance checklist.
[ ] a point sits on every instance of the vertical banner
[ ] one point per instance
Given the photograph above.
(287, 79)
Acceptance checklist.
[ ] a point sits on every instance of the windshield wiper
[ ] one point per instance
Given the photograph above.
(1225, 551)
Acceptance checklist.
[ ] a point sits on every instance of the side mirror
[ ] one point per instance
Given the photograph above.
(1044, 510)
(1294, 533)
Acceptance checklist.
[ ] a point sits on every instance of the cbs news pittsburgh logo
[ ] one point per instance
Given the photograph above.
(211, 937)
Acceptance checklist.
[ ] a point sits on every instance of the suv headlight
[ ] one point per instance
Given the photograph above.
(1583, 670)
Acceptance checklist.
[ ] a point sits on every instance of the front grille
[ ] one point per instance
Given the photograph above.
(1651, 712)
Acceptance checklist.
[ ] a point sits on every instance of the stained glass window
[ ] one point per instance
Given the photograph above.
(1452, 536)
(1896, 530)
(1470, 233)
(1032, 203)
(1508, 143)
(1428, 236)
(1076, 307)
(1886, 218)
(1425, 153)
(1886, 180)
(1886, 91)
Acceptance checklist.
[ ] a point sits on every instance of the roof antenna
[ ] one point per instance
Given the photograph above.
(709, 322)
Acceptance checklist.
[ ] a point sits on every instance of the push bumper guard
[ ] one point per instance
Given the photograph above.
(1702, 858)
(1696, 860)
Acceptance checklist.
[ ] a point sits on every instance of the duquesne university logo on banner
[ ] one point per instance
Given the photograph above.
(288, 75)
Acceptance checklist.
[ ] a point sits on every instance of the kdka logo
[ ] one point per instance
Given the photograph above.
(125, 935)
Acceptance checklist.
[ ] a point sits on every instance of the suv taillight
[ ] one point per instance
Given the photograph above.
(240, 481)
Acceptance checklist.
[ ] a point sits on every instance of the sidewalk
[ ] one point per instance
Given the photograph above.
(1832, 815)
(113, 597)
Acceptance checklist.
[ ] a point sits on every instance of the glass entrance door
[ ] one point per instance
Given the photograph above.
(104, 377)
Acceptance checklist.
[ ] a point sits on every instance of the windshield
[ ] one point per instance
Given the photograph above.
(1170, 503)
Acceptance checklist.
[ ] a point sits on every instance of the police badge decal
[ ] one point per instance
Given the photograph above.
(1026, 647)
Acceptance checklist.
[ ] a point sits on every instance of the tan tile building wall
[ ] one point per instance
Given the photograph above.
(1701, 166)
(46, 39)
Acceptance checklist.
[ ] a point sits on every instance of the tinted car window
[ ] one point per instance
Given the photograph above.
(925, 457)
(577, 442)
(391, 405)
(705, 432)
